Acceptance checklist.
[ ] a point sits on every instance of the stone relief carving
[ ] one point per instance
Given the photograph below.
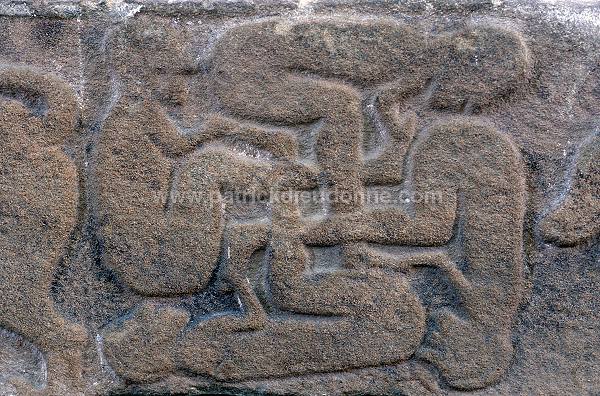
(569, 224)
(38, 207)
(302, 95)
(339, 109)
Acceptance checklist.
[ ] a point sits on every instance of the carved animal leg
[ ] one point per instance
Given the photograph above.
(477, 164)
(398, 127)
(154, 331)
(215, 336)
(484, 167)
(279, 143)
(344, 310)
(143, 348)
(151, 218)
(293, 100)
(242, 241)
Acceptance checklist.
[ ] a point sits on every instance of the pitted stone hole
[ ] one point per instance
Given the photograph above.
(20, 360)
(325, 259)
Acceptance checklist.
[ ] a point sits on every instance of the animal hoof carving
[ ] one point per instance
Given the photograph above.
(143, 348)
(469, 355)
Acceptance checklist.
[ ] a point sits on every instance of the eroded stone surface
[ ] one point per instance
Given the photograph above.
(321, 198)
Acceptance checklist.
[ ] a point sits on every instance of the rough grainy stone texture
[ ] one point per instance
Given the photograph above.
(299, 198)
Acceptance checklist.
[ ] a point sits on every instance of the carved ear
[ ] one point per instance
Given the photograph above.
(482, 64)
(47, 97)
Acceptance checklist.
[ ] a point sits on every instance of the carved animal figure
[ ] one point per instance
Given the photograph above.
(38, 211)
(290, 73)
(476, 169)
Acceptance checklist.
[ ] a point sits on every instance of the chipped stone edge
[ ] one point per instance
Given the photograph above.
(583, 13)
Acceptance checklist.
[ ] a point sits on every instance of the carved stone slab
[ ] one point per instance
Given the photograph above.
(299, 198)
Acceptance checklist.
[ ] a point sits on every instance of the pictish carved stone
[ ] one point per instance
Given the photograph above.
(299, 198)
